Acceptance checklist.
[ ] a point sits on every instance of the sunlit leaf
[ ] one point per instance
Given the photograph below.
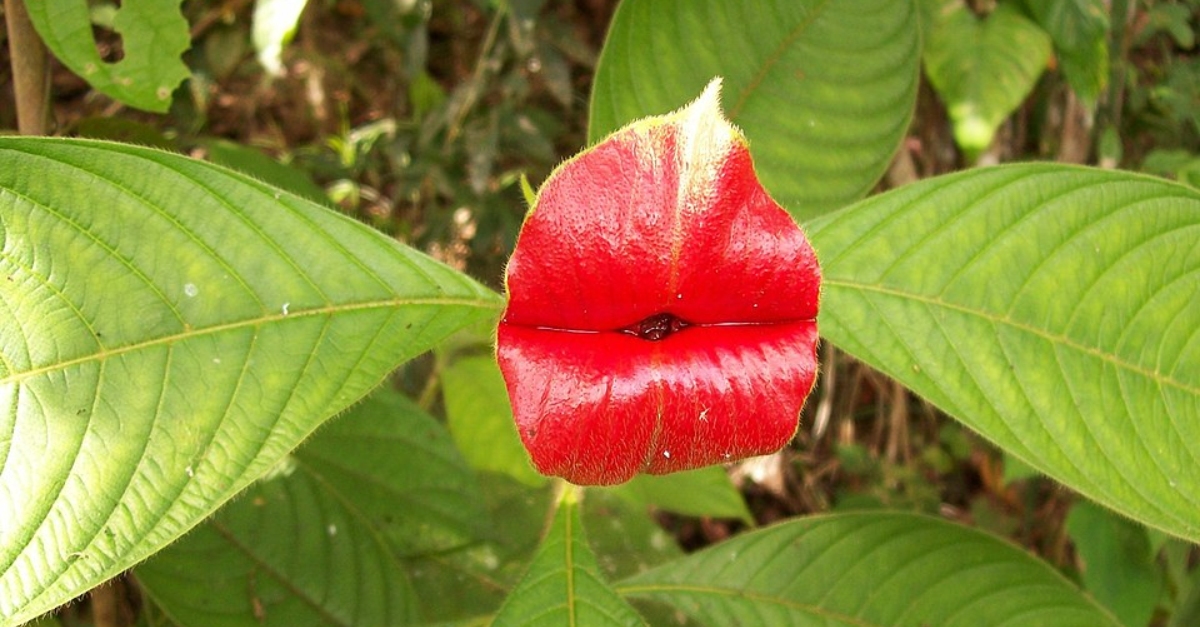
(823, 90)
(1050, 308)
(169, 330)
(274, 24)
(154, 36)
(867, 569)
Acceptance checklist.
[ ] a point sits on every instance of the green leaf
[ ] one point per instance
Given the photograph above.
(154, 36)
(288, 552)
(1118, 564)
(481, 420)
(823, 90)
(274, 25)
(397, 467)
(169, 330)
(867, 569)
(1050, 308)
(1015, 469)
(315, 544)
(701, 492)
(563, 585)
(983, 68)
(472, 582)
(1079, 30)
(251, 161)
(626, 539)
(1187, 603)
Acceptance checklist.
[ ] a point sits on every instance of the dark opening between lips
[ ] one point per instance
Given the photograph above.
(656, 327)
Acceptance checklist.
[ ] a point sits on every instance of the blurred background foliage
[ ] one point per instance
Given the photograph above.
(420, 117)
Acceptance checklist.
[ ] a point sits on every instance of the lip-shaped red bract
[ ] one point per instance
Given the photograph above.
(662, 307)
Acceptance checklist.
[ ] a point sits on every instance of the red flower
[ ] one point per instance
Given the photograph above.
(662, 308)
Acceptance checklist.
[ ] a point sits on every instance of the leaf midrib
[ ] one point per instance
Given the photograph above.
(1054, 338)
(187, 334)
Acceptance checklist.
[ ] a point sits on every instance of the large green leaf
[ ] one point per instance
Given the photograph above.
(398, 469)
(983, 68)
(169, 330)
(1051, 308)
(317, 542)
(470, 583)
(563, 585)
(867, 569)
(823, 90)
(154, 36)
(288, 552)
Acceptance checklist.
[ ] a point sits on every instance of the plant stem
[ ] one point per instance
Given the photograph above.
(29, 69)
(475, 86)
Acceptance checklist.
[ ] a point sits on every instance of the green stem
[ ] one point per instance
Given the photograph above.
(29, 69)
(475, 85)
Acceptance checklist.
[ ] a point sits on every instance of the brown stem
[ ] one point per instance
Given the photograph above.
(29, 69)
(1076, 132)
(897, 441)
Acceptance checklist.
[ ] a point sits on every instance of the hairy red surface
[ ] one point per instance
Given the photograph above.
(662, 307)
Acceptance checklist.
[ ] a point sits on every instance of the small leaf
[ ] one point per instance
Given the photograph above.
(702, 492)
(154, 36)
(169, 330)
(982, 68)
(661, 306)
(288, 552)
(563, 585)
(824, 90)
(1050, 308)
(1079, 30)
(866, 569)
(481, 421)
(1118, 566)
